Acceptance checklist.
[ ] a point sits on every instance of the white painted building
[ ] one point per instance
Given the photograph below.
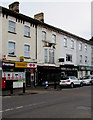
(26, 40)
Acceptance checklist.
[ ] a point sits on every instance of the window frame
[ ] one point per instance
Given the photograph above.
(27, 52)
(43, 35)
(65, 42)
(49, 55)
(11, 26)
(72, 44)
(86, 59)
(53, 39)
(11, 49)
(26, 31)
(85, 48)
(68, 57)
(80, 46)
(80, 58)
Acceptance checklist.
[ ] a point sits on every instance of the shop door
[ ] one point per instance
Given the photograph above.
(28, 79)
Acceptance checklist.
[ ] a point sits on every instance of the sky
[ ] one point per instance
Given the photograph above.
(72, 16)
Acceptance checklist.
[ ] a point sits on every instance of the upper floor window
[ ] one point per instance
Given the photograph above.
(86, 59)
(46, 55)
(80, 58)
(27, 31)
(68, 57)
(49, 55)
(53, 38)
(11, 26)
(26, 50)
(80, 46)
(92, 50)
(72, 44)
(65, 42)
(11, 48)
(43, 35)
(85, 47)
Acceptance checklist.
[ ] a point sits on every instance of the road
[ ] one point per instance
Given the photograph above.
(66, 103)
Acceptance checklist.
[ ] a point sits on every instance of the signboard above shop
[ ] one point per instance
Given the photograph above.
(84, 68)
(18, 64)
(30, 65)
(5, 64)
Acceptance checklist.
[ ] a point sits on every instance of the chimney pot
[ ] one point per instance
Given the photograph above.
(39, 16)
(14, 7)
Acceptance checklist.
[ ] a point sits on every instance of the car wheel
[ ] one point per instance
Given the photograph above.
(72, 85)
(81, 84)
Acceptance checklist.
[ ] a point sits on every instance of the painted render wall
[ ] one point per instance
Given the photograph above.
(18, 38)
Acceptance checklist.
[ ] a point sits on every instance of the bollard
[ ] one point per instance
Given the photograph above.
(54, 84)
(23, 87)
(11, 89)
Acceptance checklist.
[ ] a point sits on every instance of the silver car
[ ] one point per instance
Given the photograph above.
(70, 81)
(87, 80)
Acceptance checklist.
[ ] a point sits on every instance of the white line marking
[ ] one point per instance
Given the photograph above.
(8, 109)
(19, 107)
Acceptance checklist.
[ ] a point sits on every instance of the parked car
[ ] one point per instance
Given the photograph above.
(70, 81)
(87, 80)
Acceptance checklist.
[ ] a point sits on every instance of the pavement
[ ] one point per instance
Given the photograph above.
(29, 90)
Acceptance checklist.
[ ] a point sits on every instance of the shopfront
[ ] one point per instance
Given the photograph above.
(69, 70)
(91, 70)
(48, 73)
(29, 69)
(83, 70)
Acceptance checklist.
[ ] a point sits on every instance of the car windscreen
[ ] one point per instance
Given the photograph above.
(86, 77)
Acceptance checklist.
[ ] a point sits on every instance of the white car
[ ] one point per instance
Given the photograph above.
(70, 81)
(87, 80)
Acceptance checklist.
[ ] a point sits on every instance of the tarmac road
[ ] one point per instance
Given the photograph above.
(65, 103)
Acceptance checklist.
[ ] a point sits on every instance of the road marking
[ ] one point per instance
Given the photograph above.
(8, 109)
(20, 107)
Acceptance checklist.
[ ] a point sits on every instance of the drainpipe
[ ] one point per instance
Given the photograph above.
(36, 44)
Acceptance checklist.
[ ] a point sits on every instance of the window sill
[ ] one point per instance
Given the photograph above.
(12, 55)
(65, 46)
(27, 36)
(12, 32)
(27, 57)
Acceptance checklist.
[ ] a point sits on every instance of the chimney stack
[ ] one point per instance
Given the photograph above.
(39, 16)
(14, 7)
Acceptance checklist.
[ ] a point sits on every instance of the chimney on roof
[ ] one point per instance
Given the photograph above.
(91, 39)
(39, 16)
(14, 7)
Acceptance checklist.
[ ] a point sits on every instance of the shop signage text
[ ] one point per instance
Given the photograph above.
(8, 64)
